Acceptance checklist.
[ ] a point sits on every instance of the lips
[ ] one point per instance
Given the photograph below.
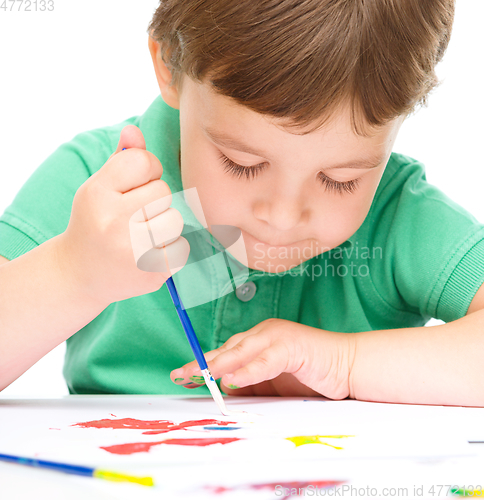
(272, 244)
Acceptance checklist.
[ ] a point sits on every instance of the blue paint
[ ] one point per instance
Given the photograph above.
(220, 428)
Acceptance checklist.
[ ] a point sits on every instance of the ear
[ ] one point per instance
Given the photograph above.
(163, 75)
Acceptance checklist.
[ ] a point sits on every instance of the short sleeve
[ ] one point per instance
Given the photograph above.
(42, 207)
(432, 249)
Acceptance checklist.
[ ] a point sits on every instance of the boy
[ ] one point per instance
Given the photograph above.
(283, 116)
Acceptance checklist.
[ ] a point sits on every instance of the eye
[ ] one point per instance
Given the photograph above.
(340, 187)
(252, 172)
(239, 170)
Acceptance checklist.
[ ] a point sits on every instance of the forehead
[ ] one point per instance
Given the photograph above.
(215, 112)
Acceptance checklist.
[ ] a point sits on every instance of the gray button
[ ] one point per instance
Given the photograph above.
(246, 291)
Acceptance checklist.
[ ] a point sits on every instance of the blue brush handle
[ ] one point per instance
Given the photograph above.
(44, 464)
(187, 325)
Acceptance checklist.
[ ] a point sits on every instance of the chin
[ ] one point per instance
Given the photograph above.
(271, 266)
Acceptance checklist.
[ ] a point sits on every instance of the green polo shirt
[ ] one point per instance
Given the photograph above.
(417, 255)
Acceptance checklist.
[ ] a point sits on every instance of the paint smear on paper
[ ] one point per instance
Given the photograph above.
(215, 428)
(302, 440)
(151, 426)
(131, 448)
(288, 490)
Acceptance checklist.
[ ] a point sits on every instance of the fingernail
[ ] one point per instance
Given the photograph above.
(229, 375)
(197, 379)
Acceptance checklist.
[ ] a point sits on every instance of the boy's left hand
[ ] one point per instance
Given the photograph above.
(279, 358)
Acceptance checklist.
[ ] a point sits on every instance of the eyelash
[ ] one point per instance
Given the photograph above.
(251, 173)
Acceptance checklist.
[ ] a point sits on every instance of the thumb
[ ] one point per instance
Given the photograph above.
(130, 137)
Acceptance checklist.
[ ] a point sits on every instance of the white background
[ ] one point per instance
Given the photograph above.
(87, 65)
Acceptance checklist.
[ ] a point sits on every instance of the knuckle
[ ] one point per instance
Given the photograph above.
(238, 337)
(141, 159)
(155, 163)
(184, 246)
(262, 362)
(160, 194)
(177, 220)
(237, 349)
(271, 320)
(162, 188)
(89, 193)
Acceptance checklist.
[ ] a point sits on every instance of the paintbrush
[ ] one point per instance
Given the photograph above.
(197, 350)
(77, 470)
(194, 344)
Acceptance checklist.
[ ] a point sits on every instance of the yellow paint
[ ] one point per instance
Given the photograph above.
(114, 476)
(302, 440)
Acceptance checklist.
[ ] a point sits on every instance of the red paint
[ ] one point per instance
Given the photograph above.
(200, 441)
(153, 426)
(188, 423)
(130, 448)
(53, 429)
(113, 415)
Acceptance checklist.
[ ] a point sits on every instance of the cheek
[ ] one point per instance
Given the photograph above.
(221, 197)
(359, 206)
(340, 216)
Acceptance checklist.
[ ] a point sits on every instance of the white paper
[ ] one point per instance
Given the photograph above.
(261, 453)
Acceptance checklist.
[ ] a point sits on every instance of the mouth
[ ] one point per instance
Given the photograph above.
(281, 245)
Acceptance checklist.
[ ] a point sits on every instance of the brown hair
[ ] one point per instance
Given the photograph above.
(300, 59)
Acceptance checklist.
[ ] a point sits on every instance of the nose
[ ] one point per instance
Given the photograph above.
(282, 210)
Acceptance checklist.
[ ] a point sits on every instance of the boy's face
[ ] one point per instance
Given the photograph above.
(298, 203)
(292, 209)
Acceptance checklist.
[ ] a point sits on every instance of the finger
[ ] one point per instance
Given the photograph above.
(160, 231)
(263, 389)
(149, 200)
(168, 259)
(130, 137)
(166, 227)
(129, 169)
(234, 390)
(240, 355)
(267, 365)
(236, 357)
(192, 368)
(192, 385)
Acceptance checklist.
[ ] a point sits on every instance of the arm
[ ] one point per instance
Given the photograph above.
(52, 291)
(425, 365)
(40, 307)
(428, 365)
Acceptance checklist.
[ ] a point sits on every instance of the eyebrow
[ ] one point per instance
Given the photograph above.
(223, 139)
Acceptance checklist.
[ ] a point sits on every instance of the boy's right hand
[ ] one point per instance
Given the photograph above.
(96, 249)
